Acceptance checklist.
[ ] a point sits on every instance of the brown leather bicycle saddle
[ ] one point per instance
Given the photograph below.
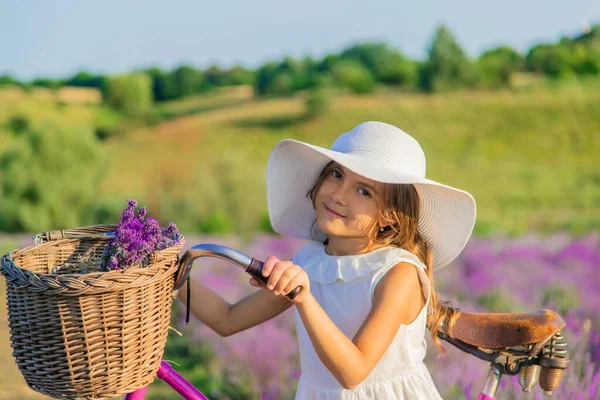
(500, 330)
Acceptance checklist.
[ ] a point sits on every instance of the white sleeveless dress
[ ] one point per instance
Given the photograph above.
(344, 287)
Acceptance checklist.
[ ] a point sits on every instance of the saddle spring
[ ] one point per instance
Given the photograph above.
(549, 368)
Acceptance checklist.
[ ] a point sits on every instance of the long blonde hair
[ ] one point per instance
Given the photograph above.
(399, 207)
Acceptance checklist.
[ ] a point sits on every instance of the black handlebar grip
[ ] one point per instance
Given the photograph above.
(255, 270)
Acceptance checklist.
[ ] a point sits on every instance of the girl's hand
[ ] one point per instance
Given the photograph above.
(284, 276)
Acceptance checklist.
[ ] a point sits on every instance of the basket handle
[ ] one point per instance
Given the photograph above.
(93, 230)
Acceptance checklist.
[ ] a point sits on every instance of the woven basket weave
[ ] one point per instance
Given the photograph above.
(91, 335)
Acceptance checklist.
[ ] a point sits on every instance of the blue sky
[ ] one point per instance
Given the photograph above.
(59, 38)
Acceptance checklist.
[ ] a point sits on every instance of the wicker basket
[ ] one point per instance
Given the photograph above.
(91, 335)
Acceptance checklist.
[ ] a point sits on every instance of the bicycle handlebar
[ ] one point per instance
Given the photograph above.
(250, 265)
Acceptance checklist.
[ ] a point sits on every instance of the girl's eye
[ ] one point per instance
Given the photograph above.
(336, 174)
(364, 192)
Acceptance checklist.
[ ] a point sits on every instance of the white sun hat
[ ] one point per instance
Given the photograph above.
(380, 152)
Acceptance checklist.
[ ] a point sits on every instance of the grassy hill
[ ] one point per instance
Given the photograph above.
(529, 157)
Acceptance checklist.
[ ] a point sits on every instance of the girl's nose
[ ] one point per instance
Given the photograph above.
(339, 194)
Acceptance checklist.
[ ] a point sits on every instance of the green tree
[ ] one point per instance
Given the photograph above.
(188, 80)
(47, 83)
(214, 77)
(591, 63)
(388, 65)
(291, 75)
(163, 84)
(497, 65)
(395, 69)
(287, 77)
(239, 75)
(131, 93)
(327, 63)
(304, 74)
(86, 79)
(264, 78)
(354, 76)
(579, 55)
(49, 179)
(8, 80)
(447, 66)
(550, 59)
(584, 60)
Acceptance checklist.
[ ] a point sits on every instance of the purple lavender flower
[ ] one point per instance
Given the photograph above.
(520, 269)
(142, 213)
(136, 238)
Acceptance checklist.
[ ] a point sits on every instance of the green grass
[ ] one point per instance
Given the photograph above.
(528, 156)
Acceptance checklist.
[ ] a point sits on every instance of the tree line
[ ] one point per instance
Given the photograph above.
(359, 68)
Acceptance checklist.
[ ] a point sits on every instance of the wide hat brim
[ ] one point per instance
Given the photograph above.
(447, 215)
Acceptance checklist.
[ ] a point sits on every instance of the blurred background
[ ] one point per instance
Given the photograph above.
(178, 106)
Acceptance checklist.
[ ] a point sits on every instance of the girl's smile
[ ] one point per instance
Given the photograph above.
(332, 213)
(347, 210)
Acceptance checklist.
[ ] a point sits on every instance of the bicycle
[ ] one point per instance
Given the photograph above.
(529, 345)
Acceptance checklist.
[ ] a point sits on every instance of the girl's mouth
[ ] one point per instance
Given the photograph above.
(332, 213)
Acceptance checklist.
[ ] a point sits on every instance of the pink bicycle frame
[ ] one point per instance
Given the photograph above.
(173, 379)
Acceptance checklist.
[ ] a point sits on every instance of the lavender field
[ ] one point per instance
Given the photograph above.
(492, 274)
(496, 274)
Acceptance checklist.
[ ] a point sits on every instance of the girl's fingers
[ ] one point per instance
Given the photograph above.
(275, 275)
(288, 275)
(293, 284)
(269, 264)
(282, 276)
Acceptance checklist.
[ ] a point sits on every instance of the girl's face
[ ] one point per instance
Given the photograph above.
(346, 205)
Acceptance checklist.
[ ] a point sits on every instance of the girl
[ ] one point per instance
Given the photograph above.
(377, 230)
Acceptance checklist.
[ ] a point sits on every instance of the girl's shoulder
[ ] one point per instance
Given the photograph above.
(324, 268)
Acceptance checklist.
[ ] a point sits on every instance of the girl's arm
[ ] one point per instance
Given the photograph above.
(227, 319)
(397, 300)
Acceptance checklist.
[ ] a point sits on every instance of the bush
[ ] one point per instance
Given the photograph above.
(354, 76)
(281, 84)
(317, 103)
(187, 80)
(552, 60)
(388, 65)
(497, 66)
(264, 77)
(8, 80)
(130, 93)
(49, 179)
(19, 124)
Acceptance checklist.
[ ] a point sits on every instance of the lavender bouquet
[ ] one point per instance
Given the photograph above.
(136, 239)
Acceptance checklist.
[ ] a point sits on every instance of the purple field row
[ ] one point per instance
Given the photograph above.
(491, 275)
